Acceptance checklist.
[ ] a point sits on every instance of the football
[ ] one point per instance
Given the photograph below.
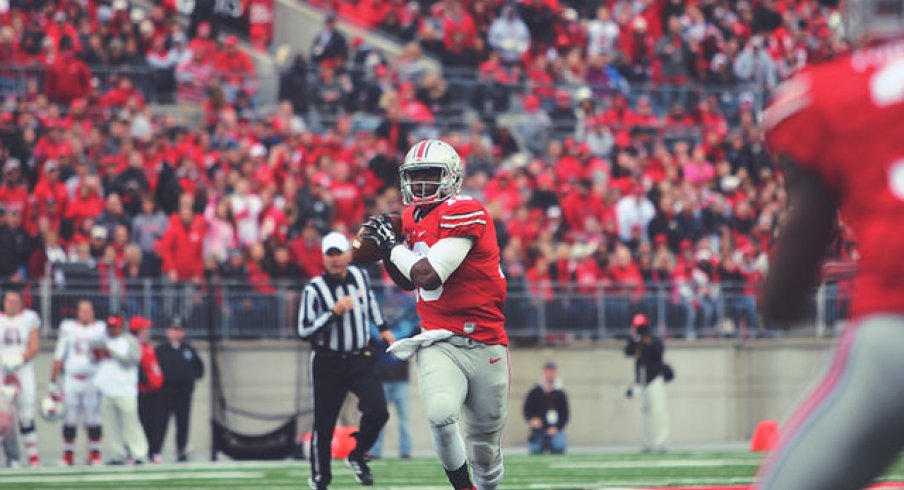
(364, 251)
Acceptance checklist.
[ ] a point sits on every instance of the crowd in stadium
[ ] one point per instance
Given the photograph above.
(632, 161)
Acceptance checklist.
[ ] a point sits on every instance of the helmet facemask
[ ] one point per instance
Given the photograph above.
(426, 183)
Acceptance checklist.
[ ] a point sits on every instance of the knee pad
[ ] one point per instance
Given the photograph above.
(26, 426)
(441, 411)
(68, 433)
(94, 432)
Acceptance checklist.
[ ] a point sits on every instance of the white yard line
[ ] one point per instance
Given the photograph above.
(127, 477)
(676, 463)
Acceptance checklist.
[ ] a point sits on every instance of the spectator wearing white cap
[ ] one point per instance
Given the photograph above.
(117, 381)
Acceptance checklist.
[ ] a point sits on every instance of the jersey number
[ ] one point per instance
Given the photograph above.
(421, 249)
(887, 85)
(11, 337)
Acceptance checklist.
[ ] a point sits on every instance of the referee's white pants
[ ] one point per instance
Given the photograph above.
(122, 429)
(654, 408)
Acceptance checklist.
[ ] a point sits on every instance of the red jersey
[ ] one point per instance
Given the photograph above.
(470, 302)
(151, 379)
(843, 121)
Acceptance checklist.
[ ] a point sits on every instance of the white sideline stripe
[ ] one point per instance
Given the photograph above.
(462, 223)
(463, 216)
(624, 484)
(677, 463)
(113, 477)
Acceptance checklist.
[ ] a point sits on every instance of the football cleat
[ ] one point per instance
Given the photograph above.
(361, 470)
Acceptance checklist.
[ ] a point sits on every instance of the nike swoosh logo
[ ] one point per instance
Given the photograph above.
(494, 361)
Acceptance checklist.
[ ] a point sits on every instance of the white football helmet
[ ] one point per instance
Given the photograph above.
(419, 190)
(873, 20)
(51, 408)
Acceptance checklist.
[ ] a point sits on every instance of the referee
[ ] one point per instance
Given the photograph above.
(335, 314)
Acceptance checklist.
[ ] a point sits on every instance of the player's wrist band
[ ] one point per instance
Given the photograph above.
(403, 259)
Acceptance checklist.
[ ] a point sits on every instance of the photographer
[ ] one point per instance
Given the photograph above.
(546, 410)
(650, 376)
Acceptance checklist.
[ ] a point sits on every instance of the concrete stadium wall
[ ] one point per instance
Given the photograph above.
(721, 391)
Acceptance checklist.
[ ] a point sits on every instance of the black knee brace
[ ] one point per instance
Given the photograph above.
(68, 433)
(26, 427)
(94, 432)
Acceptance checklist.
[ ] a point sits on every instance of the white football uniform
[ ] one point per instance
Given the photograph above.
(14, 334)
(80, 395)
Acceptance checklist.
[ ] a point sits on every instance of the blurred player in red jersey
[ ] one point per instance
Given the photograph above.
(448, 253)
(838, 129)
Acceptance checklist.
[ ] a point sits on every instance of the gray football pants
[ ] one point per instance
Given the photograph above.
(849, 428)
(460, 372)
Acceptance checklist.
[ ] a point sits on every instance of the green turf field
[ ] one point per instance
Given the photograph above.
(581, 471)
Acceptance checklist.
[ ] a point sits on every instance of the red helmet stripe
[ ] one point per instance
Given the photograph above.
(422, 149)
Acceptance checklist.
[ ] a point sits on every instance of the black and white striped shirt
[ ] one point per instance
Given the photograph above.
(347, 333)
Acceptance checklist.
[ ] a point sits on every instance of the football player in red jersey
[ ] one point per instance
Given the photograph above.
(838, 129)
(447, 251)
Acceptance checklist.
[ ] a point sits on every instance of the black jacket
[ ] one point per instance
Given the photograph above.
(539, 402)
(649, 361)
(181, 367)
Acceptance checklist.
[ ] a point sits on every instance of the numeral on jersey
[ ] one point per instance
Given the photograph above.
(896, 178)
(887, 85)
(421, 249)
(11, 337)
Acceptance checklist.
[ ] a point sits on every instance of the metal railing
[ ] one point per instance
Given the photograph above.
(547, 313)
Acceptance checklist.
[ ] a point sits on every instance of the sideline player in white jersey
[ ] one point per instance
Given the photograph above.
(74, 358)
(19, 344)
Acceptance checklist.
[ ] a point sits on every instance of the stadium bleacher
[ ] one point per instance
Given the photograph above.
(617, 147)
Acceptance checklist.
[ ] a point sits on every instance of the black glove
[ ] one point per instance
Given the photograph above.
(378, 229)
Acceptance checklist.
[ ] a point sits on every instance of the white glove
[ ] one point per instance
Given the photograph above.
(11, 361)
(405, 348)
(54, 391)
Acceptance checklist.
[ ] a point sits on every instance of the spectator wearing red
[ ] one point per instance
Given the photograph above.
(67, 78)
(619, 116)
(14, 190)
(580, 204)
(11, 52)
(625, 273)
(274, 223)
(150, 378)
(257, 274)
(347, 196)
(120, 95)
(181, 247)
(644, 117)
(193, 76)
(503, 190)
(51, 194)
(306, 250)
(235, 65)
(86, 200)
(63, 33)
(203, 45)
(459, 30)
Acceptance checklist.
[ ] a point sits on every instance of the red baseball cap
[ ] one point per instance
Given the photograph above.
(138, 322)
(640, 320)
